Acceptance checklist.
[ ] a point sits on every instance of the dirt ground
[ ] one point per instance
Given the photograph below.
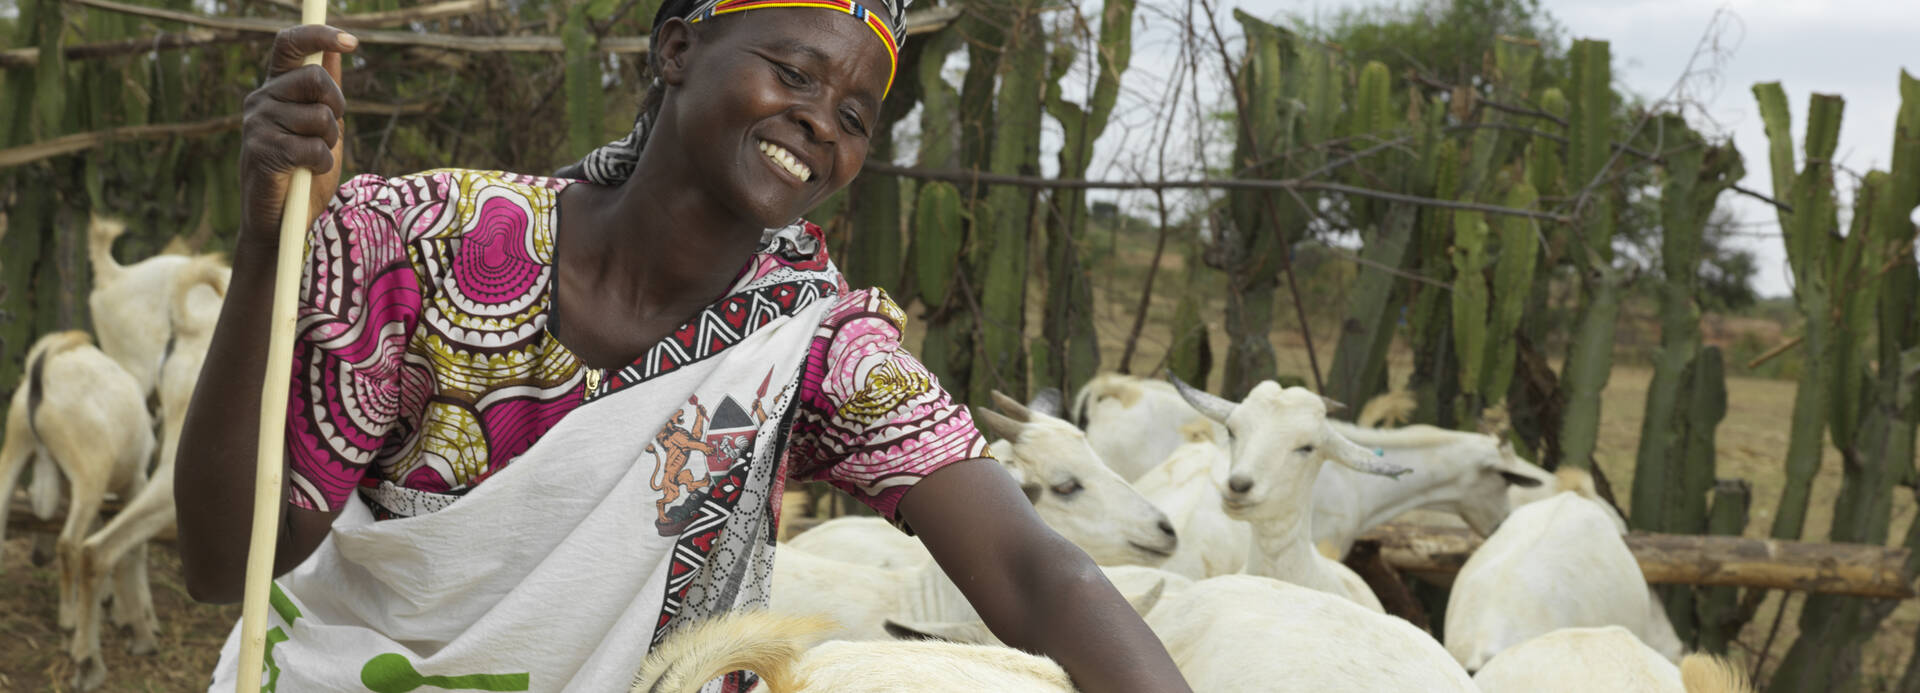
(33, 648)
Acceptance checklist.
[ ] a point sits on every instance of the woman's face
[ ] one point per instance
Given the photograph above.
(774, 107)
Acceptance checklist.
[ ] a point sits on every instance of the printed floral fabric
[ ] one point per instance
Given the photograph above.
(423, 364)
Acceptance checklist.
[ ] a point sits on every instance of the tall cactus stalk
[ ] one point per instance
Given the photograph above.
(1590, 356)
(1696, 174)
(1436, 373)
(28, 268)
(1191, 355)
(1073, 348)
(1000, 359)
(1882, 295)
(1810, 230)
(938, 233)
(1252, 244)
(937, 246)
(1719, 607)
(1282, 108)
(1826, 656)
(1360, 359)
(586, 100)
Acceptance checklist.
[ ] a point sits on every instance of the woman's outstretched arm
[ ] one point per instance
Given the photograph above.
(1035, 590)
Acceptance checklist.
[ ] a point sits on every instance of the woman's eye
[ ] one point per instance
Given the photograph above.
(1067, 488)
(792, 77)
(854, 124)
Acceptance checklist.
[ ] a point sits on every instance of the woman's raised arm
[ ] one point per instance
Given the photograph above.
(291, 121)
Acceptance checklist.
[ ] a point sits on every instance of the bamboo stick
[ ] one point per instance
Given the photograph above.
(270, 453)
(1850, 569)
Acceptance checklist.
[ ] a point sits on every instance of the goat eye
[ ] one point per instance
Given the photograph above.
(1304, 450)
(1067, 488)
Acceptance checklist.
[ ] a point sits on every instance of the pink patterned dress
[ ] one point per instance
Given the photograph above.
(506, 510)
(423, 362)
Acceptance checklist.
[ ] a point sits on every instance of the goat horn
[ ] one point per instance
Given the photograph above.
(997, 424)
(1333, 405)
(1011, 407)
(1210, 406)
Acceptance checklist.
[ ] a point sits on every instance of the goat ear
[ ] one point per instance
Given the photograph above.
(1028, 486)
(1210, 406)
(997, 424)
(1048, 402)
(1359, 459)
(1011, 407)
(1520, 480)
(966, 633)
(1145, 601)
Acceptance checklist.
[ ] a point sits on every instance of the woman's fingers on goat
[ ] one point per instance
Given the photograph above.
(292, 45)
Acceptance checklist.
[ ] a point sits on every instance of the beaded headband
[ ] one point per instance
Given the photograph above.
(872, 20)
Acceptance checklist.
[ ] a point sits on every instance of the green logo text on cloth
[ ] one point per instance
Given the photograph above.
(392, 673)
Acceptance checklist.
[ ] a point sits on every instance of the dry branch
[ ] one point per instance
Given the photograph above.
(28, 57)
(83, 141)
(967, 177)
(408, 15)
(917, 23)
(1851, 569)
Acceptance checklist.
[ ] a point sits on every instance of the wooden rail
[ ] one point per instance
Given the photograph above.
(1851, 569)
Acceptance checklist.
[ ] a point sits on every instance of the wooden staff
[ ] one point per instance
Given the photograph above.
(269, 456)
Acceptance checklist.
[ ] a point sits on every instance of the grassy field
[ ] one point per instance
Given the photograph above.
(1751, 441)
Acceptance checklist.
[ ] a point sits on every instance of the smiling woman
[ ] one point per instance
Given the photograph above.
(481, 491)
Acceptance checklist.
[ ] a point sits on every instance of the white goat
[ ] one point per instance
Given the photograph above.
(86, 414)
(1133, 423)
(1071, 490)
(1607, 659)
(1129, 419)
(130, 303)
(861, 540)
(1142, 587)
(195, 308)
(863, 599)
(1280, 438)
(1465, 474)
(1242, 634)
(1556, 563)
(1187, 486)
(777, 648)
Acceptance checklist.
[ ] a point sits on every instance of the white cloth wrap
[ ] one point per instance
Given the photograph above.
(553, 566)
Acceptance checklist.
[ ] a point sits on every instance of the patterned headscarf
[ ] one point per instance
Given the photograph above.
(613, 163)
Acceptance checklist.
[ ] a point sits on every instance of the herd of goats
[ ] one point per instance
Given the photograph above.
(1221, 522)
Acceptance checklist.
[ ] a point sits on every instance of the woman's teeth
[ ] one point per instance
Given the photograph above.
(785, 159)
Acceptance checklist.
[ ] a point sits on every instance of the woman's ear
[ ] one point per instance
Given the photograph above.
(675, 41)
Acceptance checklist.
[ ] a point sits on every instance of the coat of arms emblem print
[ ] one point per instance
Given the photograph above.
(694, 451)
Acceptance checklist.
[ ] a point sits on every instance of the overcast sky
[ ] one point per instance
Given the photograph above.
(1853, 48)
